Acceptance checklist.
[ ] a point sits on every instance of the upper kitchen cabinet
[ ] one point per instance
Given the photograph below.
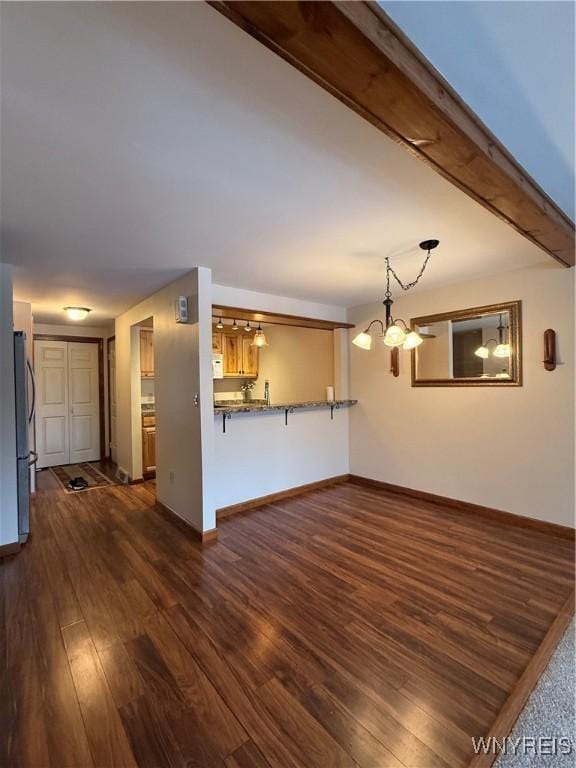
(146, 354)
(249, 358)
(232, 351)
(239, 357)
(216, 342)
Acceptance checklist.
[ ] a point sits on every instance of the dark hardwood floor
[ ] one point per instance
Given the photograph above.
(344, 628)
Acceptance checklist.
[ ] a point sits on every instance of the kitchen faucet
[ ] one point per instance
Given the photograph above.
(267, 391)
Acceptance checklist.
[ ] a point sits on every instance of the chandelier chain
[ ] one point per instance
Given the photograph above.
(405, 286)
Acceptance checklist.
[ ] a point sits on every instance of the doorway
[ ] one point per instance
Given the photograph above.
(466, 363)
(112, 416)
(144, 368)
(70, 399)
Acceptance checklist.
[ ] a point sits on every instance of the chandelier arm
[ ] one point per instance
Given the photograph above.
(372, 323)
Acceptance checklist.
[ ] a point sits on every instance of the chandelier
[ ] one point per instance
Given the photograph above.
(501, 347)
(395, 332)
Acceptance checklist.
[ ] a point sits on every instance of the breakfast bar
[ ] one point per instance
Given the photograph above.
(264, 449)
(226, 409)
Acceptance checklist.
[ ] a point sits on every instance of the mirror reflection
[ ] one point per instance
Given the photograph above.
(470, 346)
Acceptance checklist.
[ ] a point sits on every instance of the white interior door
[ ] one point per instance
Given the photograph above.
(112, 397)
(68, 402)
(51, 368)
(83, 401)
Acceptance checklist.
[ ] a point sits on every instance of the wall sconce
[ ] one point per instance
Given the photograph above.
(550, 350)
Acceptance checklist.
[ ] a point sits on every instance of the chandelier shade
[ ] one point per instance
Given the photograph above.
(363, 340)
(395, 336)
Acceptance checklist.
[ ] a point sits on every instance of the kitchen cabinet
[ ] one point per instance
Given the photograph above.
(249, 357)
(146, 354)
(216, 342)
(148, 444)
(240, 358)
(232, 351)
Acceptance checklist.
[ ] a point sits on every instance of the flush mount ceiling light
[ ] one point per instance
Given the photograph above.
(396, 333)
(77, 313)
(259, 339)
(220, 324)
(501, 348)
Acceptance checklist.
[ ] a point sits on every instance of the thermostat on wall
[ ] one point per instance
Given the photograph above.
(181, 305)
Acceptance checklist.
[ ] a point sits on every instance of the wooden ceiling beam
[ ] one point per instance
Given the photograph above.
(357, 53)
(237, 313)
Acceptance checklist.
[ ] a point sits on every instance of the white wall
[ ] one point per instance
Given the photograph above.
(226, 296)
(183, 366)
(259, 455)
(96, 331)
(8, 485)
(509, 448)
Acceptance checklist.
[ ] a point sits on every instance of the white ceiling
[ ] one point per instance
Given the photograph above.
(142, 139)
(513, 63)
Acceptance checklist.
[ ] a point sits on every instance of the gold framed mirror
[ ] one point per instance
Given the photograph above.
(478, 347)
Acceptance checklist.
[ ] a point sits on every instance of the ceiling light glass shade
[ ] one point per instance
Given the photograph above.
(219, 324)
(234, 326)
(502, 350)
(412, 340)
(363, 340)
(248, 327)
(259, 339)
(395, 336)
(77, 313)
(482, 352)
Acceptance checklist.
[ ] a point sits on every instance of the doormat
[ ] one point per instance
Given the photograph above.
(91, 476)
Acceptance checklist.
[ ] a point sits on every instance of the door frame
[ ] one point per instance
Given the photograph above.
(87, 340)
(108, 340)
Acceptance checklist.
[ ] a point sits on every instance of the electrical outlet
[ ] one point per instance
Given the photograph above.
(171, 478)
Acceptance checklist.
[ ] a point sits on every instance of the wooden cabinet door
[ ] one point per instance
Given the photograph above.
(149, 449)
(146, 354)
(249, 357)
(216, 342)
(232, 348)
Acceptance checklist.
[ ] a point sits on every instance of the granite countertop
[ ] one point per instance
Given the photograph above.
(256, 406)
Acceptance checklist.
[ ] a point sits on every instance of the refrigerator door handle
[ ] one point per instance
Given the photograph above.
(33, 380)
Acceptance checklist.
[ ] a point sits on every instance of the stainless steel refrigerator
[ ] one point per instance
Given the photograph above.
(24, 415)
